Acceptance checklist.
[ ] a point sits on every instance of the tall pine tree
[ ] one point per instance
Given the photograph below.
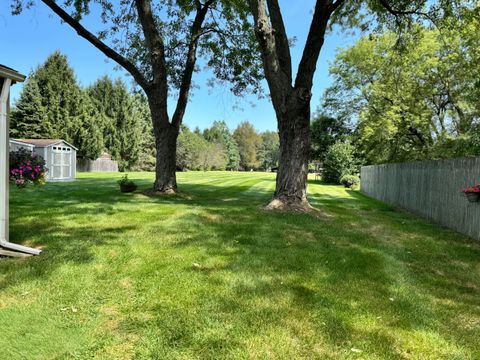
(119, 119)
(29, 118)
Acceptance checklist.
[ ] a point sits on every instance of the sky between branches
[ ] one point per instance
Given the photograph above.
(35, 34)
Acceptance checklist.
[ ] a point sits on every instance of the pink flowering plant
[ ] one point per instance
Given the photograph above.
(26, 167)
(472, 189)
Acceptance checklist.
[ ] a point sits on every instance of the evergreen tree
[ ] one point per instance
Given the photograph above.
(29, 118)
(61, 96)
(146, 156)
(120, 120)
(219, 133)
(86, 134)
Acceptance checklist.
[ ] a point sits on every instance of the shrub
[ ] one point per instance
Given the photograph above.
(350, 181)
(339, 161)
(26, 167)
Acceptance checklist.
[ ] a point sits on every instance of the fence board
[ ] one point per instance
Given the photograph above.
(431, 189)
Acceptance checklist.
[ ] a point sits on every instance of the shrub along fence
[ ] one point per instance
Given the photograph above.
(431, 189)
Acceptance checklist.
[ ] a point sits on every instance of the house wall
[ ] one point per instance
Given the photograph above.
(4, 158)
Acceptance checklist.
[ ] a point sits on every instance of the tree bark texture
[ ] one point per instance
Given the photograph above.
(165, 167)
(294, 133)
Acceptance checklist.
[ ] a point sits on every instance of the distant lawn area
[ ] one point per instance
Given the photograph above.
(209, 275)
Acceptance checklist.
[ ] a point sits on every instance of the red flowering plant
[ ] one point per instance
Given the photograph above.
(472, 189)
(26, 167)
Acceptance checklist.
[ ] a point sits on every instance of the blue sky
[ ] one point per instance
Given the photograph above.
(30, 37)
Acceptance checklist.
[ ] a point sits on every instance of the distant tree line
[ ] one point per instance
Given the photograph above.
(216, 148)
(107, 117)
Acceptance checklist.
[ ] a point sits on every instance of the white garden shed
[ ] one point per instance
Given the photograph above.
(60, 156)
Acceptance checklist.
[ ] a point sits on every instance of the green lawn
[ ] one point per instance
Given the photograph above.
(210, 275)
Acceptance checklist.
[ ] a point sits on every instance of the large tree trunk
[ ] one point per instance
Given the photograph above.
(166, 135)
(294, 133)
(166, 160)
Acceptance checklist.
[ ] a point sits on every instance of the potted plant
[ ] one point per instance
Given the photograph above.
(126, 185)
(472, 193)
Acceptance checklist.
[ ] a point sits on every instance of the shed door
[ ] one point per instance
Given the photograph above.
(62, 162)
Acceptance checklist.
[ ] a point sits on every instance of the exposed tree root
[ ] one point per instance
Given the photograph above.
(298, 206)
(153, 192)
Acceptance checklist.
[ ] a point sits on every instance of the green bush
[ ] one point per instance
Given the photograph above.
(339, 161)
(350, 181)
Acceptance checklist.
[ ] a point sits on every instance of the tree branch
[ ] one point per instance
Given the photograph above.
(395, 12)
(278, 81)
(315, 40)
(154, 40)
(95, 41)
(195, 34)
(281, 39)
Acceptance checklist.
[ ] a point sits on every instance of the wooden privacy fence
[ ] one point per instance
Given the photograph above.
(432, 189)
(99, 165)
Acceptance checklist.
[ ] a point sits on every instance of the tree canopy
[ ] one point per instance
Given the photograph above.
(410, 98)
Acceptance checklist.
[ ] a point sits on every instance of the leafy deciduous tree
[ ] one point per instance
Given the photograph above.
(268, 150)
(326, 131)
(248, 140)
(220, 134)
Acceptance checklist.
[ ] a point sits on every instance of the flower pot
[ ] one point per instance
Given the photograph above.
(472, 196)
(128, 188)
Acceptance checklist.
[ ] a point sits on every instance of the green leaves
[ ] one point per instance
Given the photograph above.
(408, 95)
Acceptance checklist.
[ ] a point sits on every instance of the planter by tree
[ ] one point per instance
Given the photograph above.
(126, 185)
(161, 54)
(291, 99)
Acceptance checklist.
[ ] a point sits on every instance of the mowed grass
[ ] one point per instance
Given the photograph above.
(209, 275)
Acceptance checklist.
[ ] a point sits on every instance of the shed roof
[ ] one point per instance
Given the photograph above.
(7, 72)
(20, 142)
(44, 142)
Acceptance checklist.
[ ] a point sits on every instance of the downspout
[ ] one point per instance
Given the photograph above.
(4, 174)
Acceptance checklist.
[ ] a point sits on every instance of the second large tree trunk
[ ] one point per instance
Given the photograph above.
(166, 160)
(294, 133)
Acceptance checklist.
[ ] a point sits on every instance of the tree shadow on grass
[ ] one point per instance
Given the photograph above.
(325, 284)
(343, 275)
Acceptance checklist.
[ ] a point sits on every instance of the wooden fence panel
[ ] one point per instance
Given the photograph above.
(431, 189)
(98, 165)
